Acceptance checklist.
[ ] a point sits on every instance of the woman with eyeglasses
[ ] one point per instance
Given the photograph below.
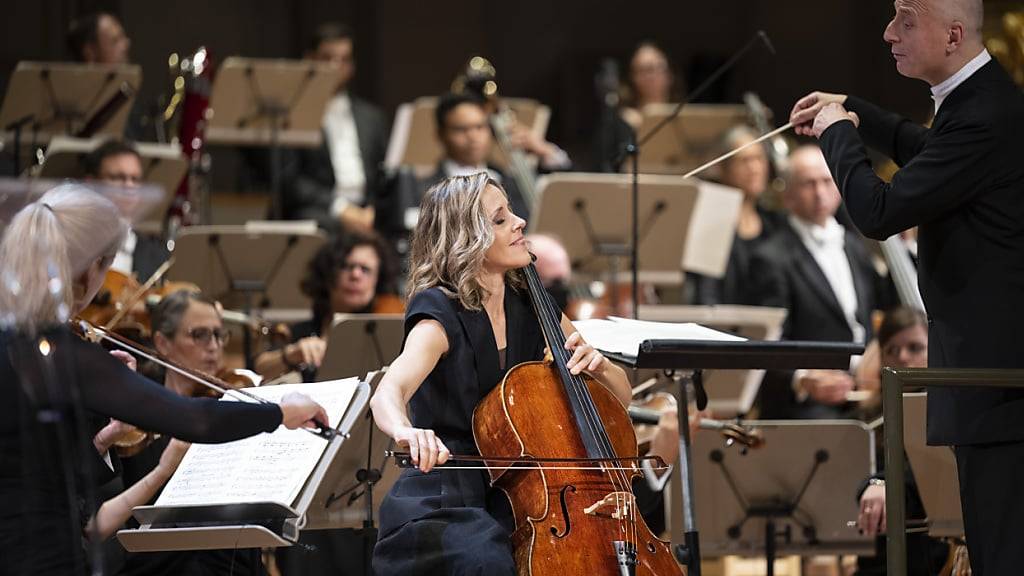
(53, 256)
(353, 274)
(187, 330)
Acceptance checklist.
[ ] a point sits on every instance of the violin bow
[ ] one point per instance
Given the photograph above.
(404, 460)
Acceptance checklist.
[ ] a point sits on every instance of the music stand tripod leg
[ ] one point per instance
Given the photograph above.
(687, 553)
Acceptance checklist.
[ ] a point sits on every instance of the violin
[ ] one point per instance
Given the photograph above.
(569, 519)
(646, 413)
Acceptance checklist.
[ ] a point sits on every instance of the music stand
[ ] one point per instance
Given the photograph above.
(273, 103)
(414, 141)
(163, 165)
(935, 472)
(685, 224)
(62, 98)
(690, 139)
(801, 484)
(247, 525)
(731, 392)
(238, 264)
(695, 356)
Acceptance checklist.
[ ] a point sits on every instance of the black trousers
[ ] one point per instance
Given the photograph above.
(991, 479)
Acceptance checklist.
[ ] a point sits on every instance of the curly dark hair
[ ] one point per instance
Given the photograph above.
(328, 261)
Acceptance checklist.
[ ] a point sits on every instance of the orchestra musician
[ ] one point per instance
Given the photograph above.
(651, 81)
(748, 171)
(100, 38)
(354, 273)
(467, 322)
(464, 130)
(117, 162)
(188, 330)
(960, 182)
(822, 275)
(902, 343)
(335, 183)
(54, 255)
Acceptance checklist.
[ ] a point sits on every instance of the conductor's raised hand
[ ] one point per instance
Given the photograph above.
(831, 114)
(806, 110)
(300, 411)
(425, 448)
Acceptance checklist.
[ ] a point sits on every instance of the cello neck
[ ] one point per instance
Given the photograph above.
(588, 420)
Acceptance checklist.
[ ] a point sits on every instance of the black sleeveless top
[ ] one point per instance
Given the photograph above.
(471, 368)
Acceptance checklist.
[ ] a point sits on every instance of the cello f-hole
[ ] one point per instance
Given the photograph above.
(565, 512)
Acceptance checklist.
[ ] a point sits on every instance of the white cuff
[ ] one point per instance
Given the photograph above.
(798, 390)
(654, 482)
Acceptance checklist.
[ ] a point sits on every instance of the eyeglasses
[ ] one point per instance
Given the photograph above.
(202, 335)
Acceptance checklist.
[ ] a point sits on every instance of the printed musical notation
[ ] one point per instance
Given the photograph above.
(263, 468)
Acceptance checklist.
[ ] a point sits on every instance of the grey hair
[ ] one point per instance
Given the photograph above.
(47, 246)
(451, 239)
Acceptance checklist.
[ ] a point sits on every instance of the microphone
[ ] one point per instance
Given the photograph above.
(767, 42)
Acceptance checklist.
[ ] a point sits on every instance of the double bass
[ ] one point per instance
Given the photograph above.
(569, 519)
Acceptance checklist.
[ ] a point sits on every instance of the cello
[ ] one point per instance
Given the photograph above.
(569, 519)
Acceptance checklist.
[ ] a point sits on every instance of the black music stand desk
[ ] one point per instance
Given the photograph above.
(698, 355)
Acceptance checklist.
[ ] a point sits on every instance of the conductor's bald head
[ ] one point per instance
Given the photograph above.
(932, 39)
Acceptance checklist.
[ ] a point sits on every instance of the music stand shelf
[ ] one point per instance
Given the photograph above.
(746, 355)
(252, 524)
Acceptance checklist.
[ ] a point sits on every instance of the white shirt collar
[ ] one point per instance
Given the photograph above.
(831, 233)
(944, 88)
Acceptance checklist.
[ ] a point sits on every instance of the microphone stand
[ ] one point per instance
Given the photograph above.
(632, 150)
(687, 553)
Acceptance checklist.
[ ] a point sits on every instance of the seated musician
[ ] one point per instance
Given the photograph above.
(188, 330)
(118, 163)
(54, 255)
(467, 322)
(100, 38)
(335, 183)
(464, 130)
(823, 276)
(747, 171)
(902, 343)
(651, 81)
(351, 274)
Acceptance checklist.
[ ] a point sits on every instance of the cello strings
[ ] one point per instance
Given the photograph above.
(618, 478)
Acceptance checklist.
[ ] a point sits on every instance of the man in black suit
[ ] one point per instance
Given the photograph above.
(962, 183)
(335, 183)
(822, 275)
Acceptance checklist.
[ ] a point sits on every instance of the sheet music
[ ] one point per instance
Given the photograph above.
(263, 468)
(623, 336)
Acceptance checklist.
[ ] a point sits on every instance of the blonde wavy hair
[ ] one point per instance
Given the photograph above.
(46, 247)
(451, 238)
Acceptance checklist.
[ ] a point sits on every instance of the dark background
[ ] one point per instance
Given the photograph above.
(548, 50)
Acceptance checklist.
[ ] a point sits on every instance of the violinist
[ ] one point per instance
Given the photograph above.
(54, 255)
(187, 330)
(468, 321)
(352, 274)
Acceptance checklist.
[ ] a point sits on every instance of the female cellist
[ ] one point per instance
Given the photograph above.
(467, 322)
(53, 257)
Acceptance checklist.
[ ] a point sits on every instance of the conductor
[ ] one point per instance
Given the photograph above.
(962, 182)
